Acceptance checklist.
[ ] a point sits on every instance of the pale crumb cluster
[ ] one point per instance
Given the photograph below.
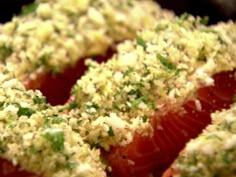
(166, 64)
(56, 34)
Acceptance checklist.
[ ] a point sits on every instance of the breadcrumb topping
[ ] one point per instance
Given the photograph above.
(163, 65)
(52, 35)
(38, 138)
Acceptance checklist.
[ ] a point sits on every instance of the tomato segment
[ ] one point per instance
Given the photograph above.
(152, 155)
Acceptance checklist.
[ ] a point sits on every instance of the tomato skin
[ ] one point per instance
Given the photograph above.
(152, 155)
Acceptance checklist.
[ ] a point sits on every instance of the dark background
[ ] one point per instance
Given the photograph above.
(217, 10)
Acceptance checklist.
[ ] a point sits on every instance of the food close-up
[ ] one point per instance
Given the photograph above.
(126, 88)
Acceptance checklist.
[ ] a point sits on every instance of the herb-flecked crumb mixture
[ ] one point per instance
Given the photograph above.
(38, 138)
(53, 34)
(213, 153)
(113, 100)
(163, 65)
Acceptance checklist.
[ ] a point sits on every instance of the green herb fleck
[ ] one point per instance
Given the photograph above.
(28, 9)
(136, 102)
(141, 42)
(184, 16)
(116, 106)
(179, 70)
(2, 104)
(93, 105)
(79, 122)
(43, 60)
(160, 27)
(166, 63)
(135, 92)
(111, 132)
(2, 150)
(33, 149)
(145, 118)
(24, 111)
(234, 98)
(204, 20)
(73, 105)
(39, 100)
(226, 157)
(201, 55)
(5, 51)
(128, 72)
(104, 161)
(129, 3)
(70, 165)
(56, 120)
(56, 137)
(208, 30)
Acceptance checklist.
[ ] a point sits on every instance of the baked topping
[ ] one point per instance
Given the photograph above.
(165, 65)
(37, 137)
(52, 35)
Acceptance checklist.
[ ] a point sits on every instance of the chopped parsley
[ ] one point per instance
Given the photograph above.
(204, 20)
(160, 27)
(129, 3)
(136, 102)
(39, 100)
(92, 105)
(145, 118)
(43, 60)
(73, 105)
(201, 55)
(111, 132)
(166, 63)
(141, 42)
(24, 111)
(70, 165)
(56, 137)
(28, 9)
(2, 150)
(5, 51)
